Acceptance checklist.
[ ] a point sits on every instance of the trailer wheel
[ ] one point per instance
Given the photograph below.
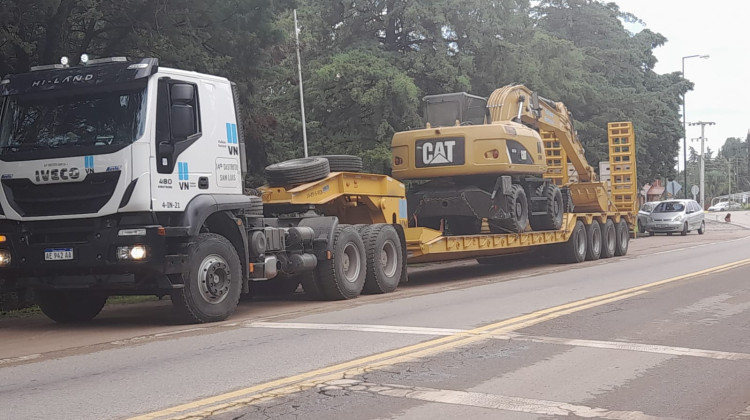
(609, 239)
(623, 238)
(344, 163)
(554, 207)
(593, 241)
(574, 251)
(297, 171)
(384, 259)
(70, 306)
(519, 213)
(343, 276)
(212, 281)
(464, 225)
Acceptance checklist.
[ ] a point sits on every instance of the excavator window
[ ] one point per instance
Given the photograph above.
(444, 110)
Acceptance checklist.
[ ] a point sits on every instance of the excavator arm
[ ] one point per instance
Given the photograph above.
(518, 103)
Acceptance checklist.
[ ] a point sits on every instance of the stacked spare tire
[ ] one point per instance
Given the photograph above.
(310, 169)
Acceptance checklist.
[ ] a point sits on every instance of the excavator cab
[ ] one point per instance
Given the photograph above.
(444, 110)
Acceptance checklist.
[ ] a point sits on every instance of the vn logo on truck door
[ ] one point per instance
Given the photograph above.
(440, 152)
(233, 144)
(183, 175)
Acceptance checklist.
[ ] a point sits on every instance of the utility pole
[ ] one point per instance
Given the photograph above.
(684, 121)
(703, 125)
(301, 92)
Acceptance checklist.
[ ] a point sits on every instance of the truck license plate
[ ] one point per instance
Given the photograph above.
(58, 254)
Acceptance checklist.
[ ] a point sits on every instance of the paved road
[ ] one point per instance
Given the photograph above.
(593, 339)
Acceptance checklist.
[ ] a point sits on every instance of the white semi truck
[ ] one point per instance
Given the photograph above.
(123, 177)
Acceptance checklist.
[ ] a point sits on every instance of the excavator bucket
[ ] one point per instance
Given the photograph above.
(590, 197)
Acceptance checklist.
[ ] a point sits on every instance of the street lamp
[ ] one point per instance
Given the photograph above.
(703, 139)
(684, 123)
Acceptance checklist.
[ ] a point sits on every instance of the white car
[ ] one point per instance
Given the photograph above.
(724, 206)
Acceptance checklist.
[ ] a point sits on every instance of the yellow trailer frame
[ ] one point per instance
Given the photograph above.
(357, 198)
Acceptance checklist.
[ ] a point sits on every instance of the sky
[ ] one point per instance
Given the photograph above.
(719, 29)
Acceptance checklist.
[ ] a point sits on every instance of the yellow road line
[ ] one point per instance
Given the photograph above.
(295, 383)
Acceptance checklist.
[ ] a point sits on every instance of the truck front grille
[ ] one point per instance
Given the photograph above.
(86, 197)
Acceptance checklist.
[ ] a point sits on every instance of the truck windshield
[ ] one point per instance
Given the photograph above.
(72, 125)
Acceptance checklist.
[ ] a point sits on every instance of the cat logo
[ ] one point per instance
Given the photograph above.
(440, 152)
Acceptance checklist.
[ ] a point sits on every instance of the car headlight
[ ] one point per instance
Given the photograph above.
(677, 218)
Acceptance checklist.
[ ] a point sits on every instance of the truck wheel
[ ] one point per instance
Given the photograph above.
(593, 241)
(609, 239)
(384, 259)
(574, 251)
(464, 225)
(344, 163)
(519, 213)
(70, 306)
(297, 171)
(212, 283)
(343, 276)
(623, 238)
(554, 207)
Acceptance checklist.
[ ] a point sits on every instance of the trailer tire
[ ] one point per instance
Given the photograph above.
(609, 239)
(384, 259)
(623, 238)
(343, 276)
(212, 283)
(554, 206)
(519, 208)
(70, 306)
(593, 241)
(574, 250)
(344, 163)
(297, 171)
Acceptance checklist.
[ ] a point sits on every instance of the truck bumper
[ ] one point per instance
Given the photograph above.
(95, 253)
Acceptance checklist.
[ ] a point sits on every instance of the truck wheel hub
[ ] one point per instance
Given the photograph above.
(214, 279)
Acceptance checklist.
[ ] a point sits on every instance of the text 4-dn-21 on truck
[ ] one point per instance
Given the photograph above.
(120, 177)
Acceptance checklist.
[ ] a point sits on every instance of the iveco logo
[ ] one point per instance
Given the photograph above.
(442, 152)
(53, 175)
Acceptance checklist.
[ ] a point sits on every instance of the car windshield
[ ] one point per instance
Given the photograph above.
(669, 207)
(41, 122)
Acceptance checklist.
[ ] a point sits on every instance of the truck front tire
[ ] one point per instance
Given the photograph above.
(70, 306)
(212, 281)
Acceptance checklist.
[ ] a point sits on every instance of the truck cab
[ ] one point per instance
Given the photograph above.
(107, 169)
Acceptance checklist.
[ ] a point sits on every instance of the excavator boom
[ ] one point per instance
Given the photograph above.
(518, 103)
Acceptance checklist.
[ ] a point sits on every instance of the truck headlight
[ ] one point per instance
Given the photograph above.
(4, 258)
(131, 253)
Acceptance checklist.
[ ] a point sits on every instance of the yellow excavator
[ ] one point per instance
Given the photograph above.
(484, 159)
